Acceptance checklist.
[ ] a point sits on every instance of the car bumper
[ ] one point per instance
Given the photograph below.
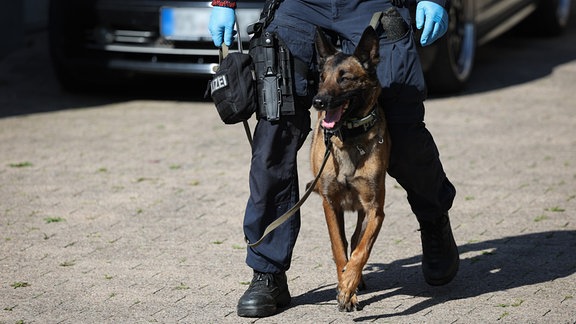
(167, 68)
(156, 60)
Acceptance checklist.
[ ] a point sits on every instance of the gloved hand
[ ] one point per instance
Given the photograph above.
(434, 18)
(221, 25)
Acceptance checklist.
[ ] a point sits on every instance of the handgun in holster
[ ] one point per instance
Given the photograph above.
(268, 76)
(273, 66)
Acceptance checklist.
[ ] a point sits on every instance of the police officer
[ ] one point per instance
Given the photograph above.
(414, 160)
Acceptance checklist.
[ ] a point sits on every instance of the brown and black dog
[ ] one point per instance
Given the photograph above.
(353, 125)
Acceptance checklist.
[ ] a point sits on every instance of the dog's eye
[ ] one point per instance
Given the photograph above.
(346, 78)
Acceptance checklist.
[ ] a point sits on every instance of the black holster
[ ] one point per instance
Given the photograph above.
(274, 75)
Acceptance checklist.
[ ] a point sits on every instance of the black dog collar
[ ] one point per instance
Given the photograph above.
(353, 127)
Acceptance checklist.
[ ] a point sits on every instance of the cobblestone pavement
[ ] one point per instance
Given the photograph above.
(128, 209)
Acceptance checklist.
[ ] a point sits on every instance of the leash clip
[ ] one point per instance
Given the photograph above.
(328, 135)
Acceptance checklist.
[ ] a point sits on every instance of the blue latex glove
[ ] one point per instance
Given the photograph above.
(221, 25)
(434, 18)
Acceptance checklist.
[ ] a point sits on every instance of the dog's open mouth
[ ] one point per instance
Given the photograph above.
(333, 116)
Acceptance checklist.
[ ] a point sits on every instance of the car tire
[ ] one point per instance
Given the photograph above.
(550, 18)
(555, 15)
(453, 59)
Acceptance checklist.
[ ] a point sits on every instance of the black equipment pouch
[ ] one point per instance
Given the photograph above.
(393, 25)
(233, 88)
(274, 75)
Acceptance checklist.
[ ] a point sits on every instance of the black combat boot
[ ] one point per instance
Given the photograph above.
(266, 293)
(440, 258)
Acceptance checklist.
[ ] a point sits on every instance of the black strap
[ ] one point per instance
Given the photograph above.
(266, 17)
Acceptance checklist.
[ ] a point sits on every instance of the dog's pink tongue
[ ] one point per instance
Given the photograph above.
(331, 118)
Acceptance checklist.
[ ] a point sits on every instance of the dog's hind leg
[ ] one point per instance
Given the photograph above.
(358, 232)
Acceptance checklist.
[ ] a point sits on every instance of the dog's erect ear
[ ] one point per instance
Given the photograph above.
(367, 49)
(324, 47)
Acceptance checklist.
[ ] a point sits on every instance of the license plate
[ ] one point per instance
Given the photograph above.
(191, 24)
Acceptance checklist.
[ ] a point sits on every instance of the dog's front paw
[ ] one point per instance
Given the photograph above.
(348, 302)
(349, 282)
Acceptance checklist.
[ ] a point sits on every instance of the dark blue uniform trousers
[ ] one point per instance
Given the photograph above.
(414, 160)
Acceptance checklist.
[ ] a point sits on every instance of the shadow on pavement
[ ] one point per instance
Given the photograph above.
(515, 59)
(485, 267)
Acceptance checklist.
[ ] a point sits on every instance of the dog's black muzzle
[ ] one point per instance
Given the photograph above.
(327, 102)
(321, 102)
